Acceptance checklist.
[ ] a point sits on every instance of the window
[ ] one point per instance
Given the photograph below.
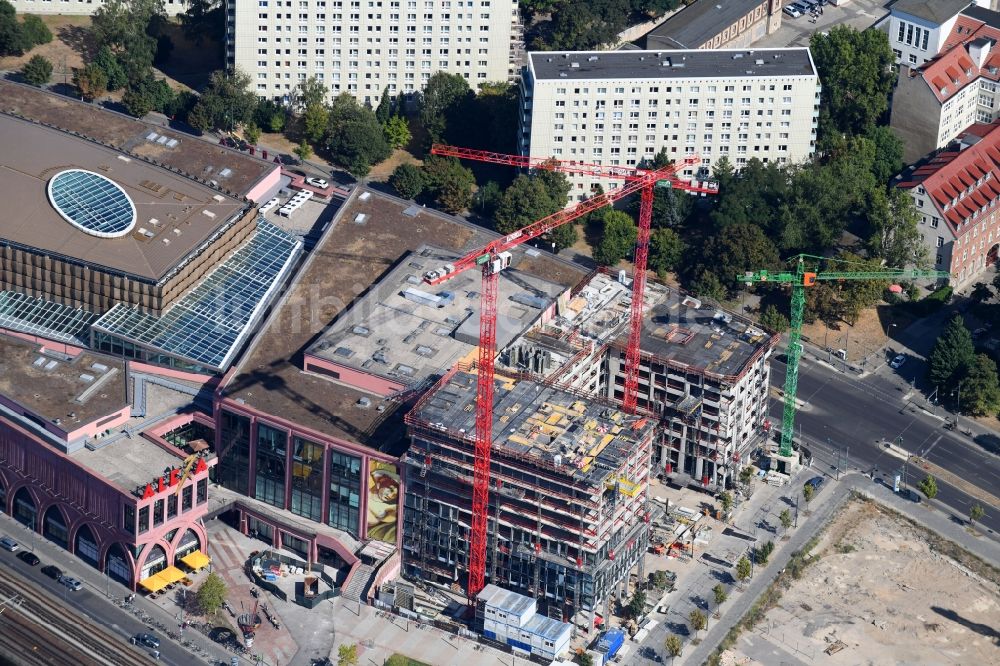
(307, 479)
(171, 505)
(143, 520)
(202, 495)
(940, 241)
(186, 495)
(934, 223)
(271, 449)
(158, 512)
(233, 469)
(345, 492)
(128, 519)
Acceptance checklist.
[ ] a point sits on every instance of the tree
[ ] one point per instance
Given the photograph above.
(636, 605)
(583, 659)
(673, 645)
(137, 102)
(408, 180)
(112, 68)
(12, 38)
(440, 101)
(618, 235)
(310, 92)
(808, 492)
(397, 132)
(975, 513)
(888, 153)
(129, 28)
(557, 186)
(981, 292)
(526, 200)
(737, 248)
(487, 198)
(726, 500)
(199, 118)
(228, 100)
(746, 475)
(34, 31)
(145, 96)
(743, 569)
(785, 518)
(251, 133)
(303, 150)
(450, 182)
(952, 355)
(164, 47)
(211, 594)
(660, 579)
(856, 69)
(720, 595)
(270, 116)
(354, 138)
(384, 109)
(774, 320)
(203, 20)
(347, 655)
(91, 81)
(895, 234)
(697, 619)
(665, 251)
(981, 388)
(37, 71)
(928, 486)
(763, 553)
(856, 295)
(315, 120)
(563, 236)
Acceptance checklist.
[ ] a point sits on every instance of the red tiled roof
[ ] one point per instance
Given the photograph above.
(949, 73)
(967, 29)
(948, 174)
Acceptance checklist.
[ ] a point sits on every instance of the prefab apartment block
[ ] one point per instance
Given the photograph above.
(568, 496)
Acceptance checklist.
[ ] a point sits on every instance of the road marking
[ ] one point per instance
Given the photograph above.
(933, 444)
(969, 488)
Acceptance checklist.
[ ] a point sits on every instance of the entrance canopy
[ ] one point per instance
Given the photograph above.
(154, 583)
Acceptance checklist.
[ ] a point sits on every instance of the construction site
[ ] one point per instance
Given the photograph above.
(880, 591)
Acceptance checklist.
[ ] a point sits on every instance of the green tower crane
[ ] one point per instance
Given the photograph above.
(800, 279)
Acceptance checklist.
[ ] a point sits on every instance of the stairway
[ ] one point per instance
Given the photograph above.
(359, 582)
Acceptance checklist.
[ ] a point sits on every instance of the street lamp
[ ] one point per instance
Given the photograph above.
(887, 327)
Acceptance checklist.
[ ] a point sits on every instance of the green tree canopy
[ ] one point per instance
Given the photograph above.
(952, 355)
(129, 28)
(737, 248)
(354, 138)
(665, 251)
(112, 68)
(270, 116)
(893, 220)
(251, 133)
(774, 320)
(981, 388)
(204, 20)
(673, 645)
(697, 619)
(315, 120)
(310, 92)
(347, 655)
(385, 107)
(888, 153)
(618, 236)
(856, 69)
(37, 71)
(397, 131)
(440, 102)
(229, 100)
(408, 180)
(35, 31)
(450, 182)
(12, 39)
(91, 81)
(211, 594)
(720, 595)
(928, 486)
(808, 491)
(525, 201)
(743, 568)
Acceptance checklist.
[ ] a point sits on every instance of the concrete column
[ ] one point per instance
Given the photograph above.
(699, 468)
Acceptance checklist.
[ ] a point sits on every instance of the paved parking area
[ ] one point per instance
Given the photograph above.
(860, 14)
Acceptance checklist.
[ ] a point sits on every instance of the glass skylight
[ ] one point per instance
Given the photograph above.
(92, 203)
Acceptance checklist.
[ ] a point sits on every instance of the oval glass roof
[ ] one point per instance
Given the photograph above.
(92, 203)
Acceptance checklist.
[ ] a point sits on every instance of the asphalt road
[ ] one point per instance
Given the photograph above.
(847, 416)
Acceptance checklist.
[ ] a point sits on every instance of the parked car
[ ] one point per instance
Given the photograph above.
(149, 640)
(28, 558)
(815, 482)
(897, 361)
(8, 544)
(792, 11)
(318, 182)
(71, 583)
(52, 572)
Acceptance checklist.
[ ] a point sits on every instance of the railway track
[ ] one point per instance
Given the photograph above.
(35, 628)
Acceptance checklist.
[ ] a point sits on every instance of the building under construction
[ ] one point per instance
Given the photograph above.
(703, 373)
(568, 493)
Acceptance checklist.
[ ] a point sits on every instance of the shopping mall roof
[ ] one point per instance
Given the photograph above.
(581, 437)
(59, 388)
(210, 323)
(370, 235)
(408, 332)
(68, 197)
(236, 173)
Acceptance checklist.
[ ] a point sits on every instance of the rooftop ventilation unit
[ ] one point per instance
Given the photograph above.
(363, 331)
(86, 378)
(365, 196)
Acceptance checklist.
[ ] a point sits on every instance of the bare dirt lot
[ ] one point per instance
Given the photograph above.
(67, 49)
(880, 593)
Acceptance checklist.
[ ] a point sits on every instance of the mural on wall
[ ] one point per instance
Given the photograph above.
(383, 500)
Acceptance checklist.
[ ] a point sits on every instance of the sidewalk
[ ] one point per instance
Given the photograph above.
(826, 504)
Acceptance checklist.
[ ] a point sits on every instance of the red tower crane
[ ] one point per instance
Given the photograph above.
(494, 257)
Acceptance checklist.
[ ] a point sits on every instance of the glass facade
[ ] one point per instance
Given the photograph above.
(271, 466)
(233, 470)
(345, 492)
(307, 479)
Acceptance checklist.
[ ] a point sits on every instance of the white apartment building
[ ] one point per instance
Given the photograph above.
(81, 7)
(621, 107)
(919, 29)
(363, 46)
